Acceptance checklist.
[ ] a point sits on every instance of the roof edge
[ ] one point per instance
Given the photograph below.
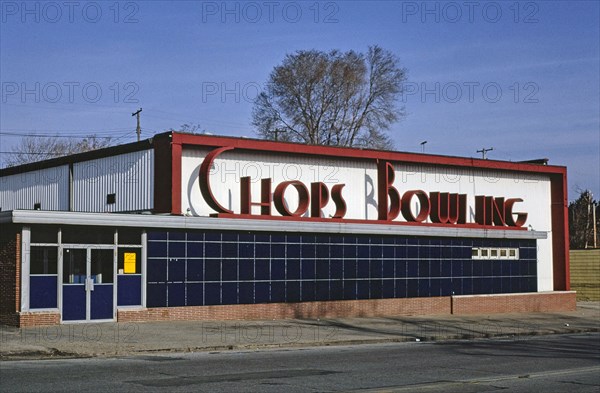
(79, 157)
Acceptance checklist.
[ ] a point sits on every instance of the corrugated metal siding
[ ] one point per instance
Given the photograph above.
(49, 187)
(585, 273)
(129, 176)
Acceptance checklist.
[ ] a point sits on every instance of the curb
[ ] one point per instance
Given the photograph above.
(54, 353)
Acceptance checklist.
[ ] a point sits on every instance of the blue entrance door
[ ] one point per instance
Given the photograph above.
(101, 284)
(88, 275)
(74, 293)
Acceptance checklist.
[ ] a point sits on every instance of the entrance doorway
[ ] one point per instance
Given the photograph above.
(88, 283)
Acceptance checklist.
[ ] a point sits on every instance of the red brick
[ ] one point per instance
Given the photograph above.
(10, 283)
(514, 303)
(328, 309)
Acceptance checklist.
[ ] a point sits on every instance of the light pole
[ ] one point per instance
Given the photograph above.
(484, 151)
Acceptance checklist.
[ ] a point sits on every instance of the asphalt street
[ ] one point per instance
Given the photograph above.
(559, 363)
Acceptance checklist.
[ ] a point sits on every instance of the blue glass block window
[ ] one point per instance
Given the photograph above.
(211, 267)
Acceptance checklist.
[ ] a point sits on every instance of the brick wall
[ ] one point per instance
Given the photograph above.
(513, 303)
(475, 304)
(29, 319)
(10, 283)
(329, 309)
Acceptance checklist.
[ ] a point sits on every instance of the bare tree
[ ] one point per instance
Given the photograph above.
(581, 220)
(335, 98)
(38, 148)
(190, 128)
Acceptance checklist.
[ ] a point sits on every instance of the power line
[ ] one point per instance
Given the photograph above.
(123, 136)
(62, 130)
(45, 153)
(73, 136)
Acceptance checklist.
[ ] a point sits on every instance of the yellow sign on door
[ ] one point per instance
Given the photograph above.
(129, 263)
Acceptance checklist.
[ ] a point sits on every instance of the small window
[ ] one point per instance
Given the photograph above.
(43, 260)
(111, 199)
(495, 253)
(37, 206)
(129, 261)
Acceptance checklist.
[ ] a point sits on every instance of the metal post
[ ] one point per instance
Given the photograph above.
(138, 129)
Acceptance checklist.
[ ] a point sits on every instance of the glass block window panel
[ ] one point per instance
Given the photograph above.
(212, 293)
(292, 291)
(229, 293)
(246, 270)
(278, 292)
(176, 270)
(246, 292)
(278, 267)
(336, 290)
(195, 269)
(308, 291)
(229, 270)
(195, 294)
(176, 294)
(293, 269)
(211, 267)
(262, 292)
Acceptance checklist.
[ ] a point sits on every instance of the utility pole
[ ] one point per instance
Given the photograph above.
(595, 232)
(277, 131)
(138, 130)
(483, 151)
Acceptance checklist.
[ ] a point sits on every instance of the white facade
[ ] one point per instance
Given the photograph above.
(360, 191)
(126, 183)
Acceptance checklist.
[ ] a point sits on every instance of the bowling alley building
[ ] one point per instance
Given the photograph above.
(198, 227)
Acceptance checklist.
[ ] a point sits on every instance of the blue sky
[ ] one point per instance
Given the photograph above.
(521, 77)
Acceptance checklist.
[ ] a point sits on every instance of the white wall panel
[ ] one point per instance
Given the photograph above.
(129, 176)
(49, 187)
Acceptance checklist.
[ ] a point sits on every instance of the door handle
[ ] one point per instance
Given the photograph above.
(89, 284)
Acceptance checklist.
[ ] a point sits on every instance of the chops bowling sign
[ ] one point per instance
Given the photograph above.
(440, 207)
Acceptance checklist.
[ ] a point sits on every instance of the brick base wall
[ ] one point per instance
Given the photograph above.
(515, 303)
(329, 309)
(10, 285)
(28, 319)
(458, 305)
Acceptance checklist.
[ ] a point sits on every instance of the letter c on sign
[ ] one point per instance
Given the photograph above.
(204, 180)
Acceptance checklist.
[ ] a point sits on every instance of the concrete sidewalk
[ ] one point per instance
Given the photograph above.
(123, 339)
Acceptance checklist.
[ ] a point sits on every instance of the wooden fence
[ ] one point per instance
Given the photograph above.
(585, 273)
